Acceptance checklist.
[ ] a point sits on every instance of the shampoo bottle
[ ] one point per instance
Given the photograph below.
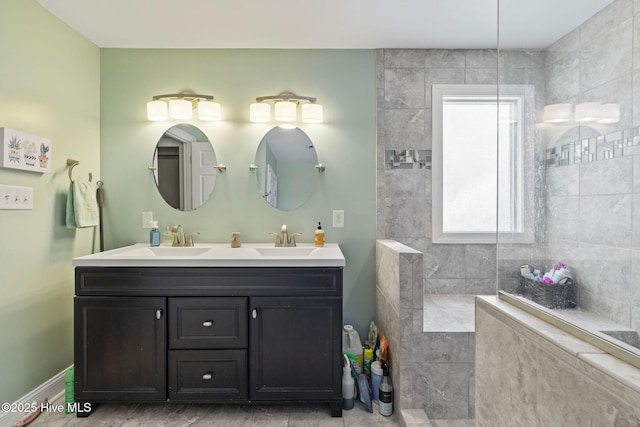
(319, 236)
(154, 234)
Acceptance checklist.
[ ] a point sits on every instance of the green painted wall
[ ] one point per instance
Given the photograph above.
(342, 80)
(49, 86)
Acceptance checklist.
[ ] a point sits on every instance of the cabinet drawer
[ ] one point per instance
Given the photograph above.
(208, 323)
(208, 375)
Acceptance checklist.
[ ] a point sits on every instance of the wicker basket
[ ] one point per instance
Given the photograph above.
(550, 295)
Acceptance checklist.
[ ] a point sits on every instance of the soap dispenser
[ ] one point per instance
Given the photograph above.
(319, 236)
(154, 234)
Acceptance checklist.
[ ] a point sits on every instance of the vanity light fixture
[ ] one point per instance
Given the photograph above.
(285, 108)
(181, 106)
(609, 113)
(588, 112)
(557, 113)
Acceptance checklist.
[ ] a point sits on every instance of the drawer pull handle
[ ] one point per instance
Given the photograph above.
(254, 313)
(158, 314)
(207, 376)
(207, 323)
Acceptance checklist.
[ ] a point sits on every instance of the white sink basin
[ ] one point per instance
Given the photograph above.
(287, 252)
(216, 255)
(160, 251)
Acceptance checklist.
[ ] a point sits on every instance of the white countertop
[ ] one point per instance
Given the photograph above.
(216, 255)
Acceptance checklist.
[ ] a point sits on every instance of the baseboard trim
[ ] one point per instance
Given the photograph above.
(51, 390)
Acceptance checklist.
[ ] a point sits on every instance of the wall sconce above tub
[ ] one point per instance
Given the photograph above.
(285, 108)
(586, 112)
(181, 105)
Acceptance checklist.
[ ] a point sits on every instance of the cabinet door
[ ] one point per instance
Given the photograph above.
(120, 348)
(294, 348)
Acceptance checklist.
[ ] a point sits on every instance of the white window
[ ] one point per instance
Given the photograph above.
(478, 179)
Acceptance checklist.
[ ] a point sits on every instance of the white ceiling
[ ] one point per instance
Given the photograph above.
(331, 24)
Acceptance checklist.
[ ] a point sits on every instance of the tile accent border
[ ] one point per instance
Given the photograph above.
(407, 159)
(616, 144)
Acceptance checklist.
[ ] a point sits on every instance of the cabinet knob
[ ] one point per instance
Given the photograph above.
(254, 313)
(207, 323)
(158, 314)
(207, 376)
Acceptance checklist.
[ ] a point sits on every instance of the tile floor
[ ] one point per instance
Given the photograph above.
(174, 415)
(453, 423)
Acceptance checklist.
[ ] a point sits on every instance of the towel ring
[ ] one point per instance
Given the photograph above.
(72, 164)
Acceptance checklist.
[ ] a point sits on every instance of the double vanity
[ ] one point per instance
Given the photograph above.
(209, 324)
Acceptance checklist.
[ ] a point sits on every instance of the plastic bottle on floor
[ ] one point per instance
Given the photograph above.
(348, 387)
(386, 393)
(352, 346)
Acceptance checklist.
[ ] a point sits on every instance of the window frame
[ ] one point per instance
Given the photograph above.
(522, 161)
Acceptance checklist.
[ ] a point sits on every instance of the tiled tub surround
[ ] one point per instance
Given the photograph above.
(435, 368)
(593, 170)
(530, 373)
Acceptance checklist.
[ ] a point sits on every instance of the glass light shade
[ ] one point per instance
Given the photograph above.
(285, 111)
(259, 112)
(557, 113)
(588, 112)
(157, 111)
(180, 109)
(312, 113)
(609, 113)
(209, 110)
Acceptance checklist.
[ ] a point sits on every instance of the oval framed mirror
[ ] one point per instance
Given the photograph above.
(286, 168)
(184, 167)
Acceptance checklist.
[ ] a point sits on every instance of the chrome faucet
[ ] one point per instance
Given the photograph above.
(283, 240)
(179, 236)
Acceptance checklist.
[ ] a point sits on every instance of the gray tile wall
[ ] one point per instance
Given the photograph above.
(404, 84)
(437, 368)
(431, 371)
(592, 208)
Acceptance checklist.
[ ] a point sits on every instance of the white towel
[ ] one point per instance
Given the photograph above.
(82, 206)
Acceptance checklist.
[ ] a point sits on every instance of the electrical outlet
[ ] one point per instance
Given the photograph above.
(16, 198)
(147, 217)
(338, 219)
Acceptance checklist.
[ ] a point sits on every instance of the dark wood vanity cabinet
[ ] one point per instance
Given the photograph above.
(208, 334)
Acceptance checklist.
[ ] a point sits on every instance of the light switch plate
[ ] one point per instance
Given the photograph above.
(338, 219)
(147, 217)
(16, 198)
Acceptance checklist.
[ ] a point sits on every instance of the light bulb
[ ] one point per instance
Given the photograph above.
(312, 113)
(285, 111)
(180, 109)
(557, 113)
(209, 110)
(259, 112)
(157, 111)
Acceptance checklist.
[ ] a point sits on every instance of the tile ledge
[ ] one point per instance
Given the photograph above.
(396, 246)
(616, 368)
